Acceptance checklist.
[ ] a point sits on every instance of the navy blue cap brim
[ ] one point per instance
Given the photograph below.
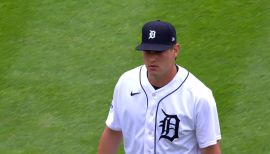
(153, 47)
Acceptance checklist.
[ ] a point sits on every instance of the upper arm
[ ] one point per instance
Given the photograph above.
(112, 133)
(213, 149)
(207, 122)
(112, 120)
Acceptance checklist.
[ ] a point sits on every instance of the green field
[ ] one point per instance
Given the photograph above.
(60, 60)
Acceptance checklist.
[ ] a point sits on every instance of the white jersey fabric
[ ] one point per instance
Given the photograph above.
(180, 117)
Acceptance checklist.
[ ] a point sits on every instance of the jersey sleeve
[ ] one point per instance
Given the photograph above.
(207, 122)
(112, 120)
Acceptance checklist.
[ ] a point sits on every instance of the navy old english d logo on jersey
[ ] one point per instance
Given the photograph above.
(169, 126)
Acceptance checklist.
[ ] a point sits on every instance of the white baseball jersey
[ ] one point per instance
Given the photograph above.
(180, 117)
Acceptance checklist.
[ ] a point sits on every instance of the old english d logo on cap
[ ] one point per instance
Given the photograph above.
(157, 36)
(152, 34)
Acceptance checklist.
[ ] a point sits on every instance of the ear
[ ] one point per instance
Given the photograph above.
(176, 49)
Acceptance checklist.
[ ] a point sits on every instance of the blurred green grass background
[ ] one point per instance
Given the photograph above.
(60, 60)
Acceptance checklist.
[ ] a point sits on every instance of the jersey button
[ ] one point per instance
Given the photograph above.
(154, 95)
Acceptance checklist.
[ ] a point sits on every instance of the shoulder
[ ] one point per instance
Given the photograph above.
(196, 87)
(130, 77)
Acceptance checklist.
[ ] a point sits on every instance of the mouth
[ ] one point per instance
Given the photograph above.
(152, 67)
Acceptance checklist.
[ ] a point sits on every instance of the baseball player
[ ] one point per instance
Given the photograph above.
(160, 107)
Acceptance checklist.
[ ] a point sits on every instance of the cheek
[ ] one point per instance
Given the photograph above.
(173, 56)
(168, 60)
(145, 59)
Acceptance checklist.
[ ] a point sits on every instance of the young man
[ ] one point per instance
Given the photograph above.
(160, 107)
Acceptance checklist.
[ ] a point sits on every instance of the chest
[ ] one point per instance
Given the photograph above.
(165, 116)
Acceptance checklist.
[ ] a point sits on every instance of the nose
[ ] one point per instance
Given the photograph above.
(152, 55)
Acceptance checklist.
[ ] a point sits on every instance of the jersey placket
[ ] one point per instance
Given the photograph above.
(150, 124)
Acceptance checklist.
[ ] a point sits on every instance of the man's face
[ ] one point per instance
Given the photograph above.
(160, 64)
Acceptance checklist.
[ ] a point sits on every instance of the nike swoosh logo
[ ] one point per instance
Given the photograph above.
(132, 94)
